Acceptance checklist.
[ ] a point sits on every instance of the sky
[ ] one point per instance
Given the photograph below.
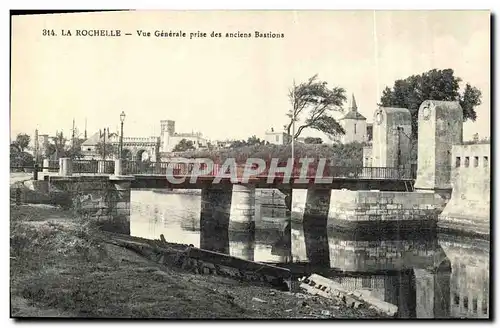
(229, 88)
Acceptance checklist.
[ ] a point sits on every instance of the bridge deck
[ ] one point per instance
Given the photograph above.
(165, 175)
(156, 181)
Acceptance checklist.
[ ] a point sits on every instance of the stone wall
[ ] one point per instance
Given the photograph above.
(469, 206)
(391, 144)
(355, 130)
(439, 127)
(98, 198)
(384, 210)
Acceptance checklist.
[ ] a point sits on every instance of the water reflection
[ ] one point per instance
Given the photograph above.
(426, 276)
(470, 275)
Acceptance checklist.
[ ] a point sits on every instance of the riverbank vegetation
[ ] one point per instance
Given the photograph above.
(347, 155)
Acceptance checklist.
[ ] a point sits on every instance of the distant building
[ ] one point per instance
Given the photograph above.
(220, 144)
(354, 125)
(89, 149)
(169, 138)
(276, 138)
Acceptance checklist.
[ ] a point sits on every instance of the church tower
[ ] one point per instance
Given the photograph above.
(354, 124)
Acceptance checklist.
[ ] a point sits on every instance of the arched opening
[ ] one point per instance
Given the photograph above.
(142, 155)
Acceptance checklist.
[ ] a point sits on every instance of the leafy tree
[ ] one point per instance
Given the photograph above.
(57, 147)
(75, 150)
(311, 140)
(238, 144)
(184, 145)
(314, 102)
(21, 158)
(253, 140)
(107, 149)
(22, 141)
(432, 85)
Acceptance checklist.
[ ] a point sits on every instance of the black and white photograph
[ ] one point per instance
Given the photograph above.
(250, 164)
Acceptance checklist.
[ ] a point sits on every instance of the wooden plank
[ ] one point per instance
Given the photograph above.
(231, 261)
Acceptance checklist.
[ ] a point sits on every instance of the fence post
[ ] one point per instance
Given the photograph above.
(46, 164)
(65, 166)
(101, 166)
(118, 167)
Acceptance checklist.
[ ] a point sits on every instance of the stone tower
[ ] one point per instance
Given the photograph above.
(391, 137)
(167, 126)
(166, 131)
(439, 128)
(354, 124)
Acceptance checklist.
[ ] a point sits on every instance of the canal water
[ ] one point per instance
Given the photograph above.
(426, 275)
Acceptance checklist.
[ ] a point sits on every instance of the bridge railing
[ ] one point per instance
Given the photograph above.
(53, 165)
(85, 166)
(182, 169)
(156, 168)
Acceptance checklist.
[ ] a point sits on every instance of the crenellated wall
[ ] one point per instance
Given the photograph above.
(469, 206)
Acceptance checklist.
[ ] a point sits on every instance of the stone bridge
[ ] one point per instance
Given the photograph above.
(231, 206)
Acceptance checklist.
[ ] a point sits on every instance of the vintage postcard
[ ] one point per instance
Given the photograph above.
(250, 164)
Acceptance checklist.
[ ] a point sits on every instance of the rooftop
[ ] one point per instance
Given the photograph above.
(353, 113)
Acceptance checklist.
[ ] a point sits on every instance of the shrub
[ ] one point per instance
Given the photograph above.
(348, 155)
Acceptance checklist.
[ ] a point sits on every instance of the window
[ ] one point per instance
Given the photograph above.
(89, 149)
(485, 161)
(474, 305)
(476, 161)
(456, 299)
(466, 302)
(354, 128)
(466, 161)
(457, 162)
(277, 138)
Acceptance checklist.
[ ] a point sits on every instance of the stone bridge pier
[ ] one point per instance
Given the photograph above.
(227, 219)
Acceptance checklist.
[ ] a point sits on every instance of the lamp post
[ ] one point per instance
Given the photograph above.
(122, 119)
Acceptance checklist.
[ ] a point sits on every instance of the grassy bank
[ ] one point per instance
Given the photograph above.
(61, 267)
